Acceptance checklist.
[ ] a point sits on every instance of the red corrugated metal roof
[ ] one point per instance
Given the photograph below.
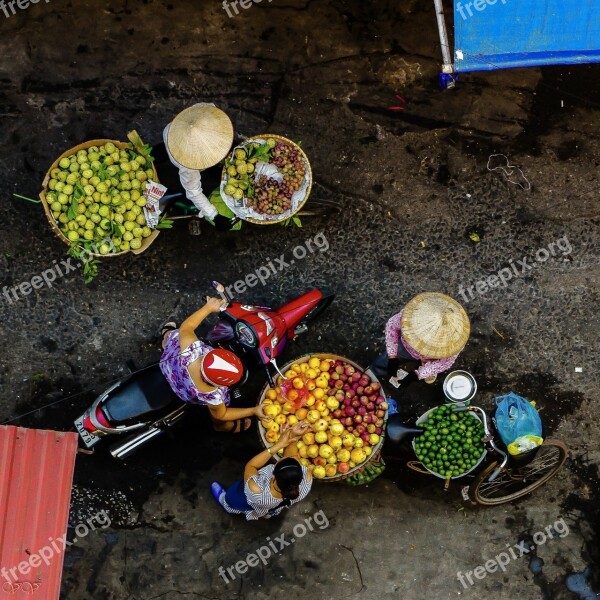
(36, 476)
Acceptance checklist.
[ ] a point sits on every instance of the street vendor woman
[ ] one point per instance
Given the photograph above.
(195, 142)
(201, 374)
(266, 489)
(428, 334)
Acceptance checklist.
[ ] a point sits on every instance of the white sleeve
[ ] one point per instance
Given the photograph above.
(191, 181)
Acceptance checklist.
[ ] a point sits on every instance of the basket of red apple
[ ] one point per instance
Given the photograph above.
(344, 405)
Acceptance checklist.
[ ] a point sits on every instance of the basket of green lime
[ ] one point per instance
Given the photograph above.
(451, 445)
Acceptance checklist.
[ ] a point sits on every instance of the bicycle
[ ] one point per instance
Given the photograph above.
(500, 477)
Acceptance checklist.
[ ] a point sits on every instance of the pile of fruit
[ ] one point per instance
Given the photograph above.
(451, 443)
(371, 472)
(345, 409)
(96, 195)
(265, 194)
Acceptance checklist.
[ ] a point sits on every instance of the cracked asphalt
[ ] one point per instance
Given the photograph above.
(413, 186)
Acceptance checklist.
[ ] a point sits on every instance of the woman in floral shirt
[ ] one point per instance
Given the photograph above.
(202, 375)
(432, 329)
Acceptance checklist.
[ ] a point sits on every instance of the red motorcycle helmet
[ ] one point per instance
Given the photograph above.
(221, 368)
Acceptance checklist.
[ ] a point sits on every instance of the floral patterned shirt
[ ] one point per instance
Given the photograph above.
(430, 366)
(174, 365)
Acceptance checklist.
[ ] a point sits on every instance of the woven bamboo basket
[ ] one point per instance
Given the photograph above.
(376, 450)
(84, 146)
(309, 175)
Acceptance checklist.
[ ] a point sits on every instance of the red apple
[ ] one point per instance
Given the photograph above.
(343, 467)
(365, 436)
(370, 406)
(360, 429)
(355, 402)
(380, 414)
(348, 422)
(360, 390)
(349, 370)
(362, 411)
(376, 386)
(344, 378)
(349, 411)
(379, 423)
(335, 375)
(350, 393)
(338, 384)
(337, 413)
(364, 381)
(378, 430)
(369, 390)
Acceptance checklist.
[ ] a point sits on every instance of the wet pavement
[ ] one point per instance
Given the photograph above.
(414, 186)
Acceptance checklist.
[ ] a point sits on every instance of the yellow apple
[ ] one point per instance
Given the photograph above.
(358, 455)
(343, 455)
(336, 428)
(320, 437)
(332, 459)
(325, 413)
(298, 383)
(319, 472)
(321, 382)
(325, 365)
(310, 400)
(330, 470)
(335, 441)
(320, 404)
(314, 362)
(332, 403)
(325, 451)
(313, 416)
(368, 450)
(348, 440)
(272, 410)
(303, 367)
(280, 419)
(320, 424)
(312, 451)
(271, 394)
(292, 420)
(271, 436)
(305, 462)
(303, 452)
(308, 438)
(272, 426)
(311, 385)
(358, 443)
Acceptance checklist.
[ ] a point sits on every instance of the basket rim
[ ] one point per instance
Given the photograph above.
(375, 449)
(48, 212)
(308, 172)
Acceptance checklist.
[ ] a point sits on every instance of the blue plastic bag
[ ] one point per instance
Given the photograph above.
(515, 418)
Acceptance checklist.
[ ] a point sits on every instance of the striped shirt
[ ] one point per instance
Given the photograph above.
(263, 503)
(430, 366)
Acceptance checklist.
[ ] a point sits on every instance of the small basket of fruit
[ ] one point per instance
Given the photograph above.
(451, 445)
(266, 180)
(344, 405)
(93, 195)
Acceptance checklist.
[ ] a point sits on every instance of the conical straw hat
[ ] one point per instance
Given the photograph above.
(200, 136)
(435, 325)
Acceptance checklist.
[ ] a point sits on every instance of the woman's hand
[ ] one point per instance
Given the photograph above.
(259, 411)
(301, 428)
(214, 305)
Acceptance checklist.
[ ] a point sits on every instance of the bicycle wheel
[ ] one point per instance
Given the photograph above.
(513, 483)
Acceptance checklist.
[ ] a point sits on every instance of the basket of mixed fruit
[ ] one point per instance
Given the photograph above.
(344, 406)
(266, 179)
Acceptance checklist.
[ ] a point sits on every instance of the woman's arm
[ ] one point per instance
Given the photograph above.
(220, 412)
(392, 335)
(187, 331)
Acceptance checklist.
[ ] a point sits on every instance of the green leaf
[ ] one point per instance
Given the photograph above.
(217, 201)
(72, 212)
(164, 224)
(297, 221)
(26, 198)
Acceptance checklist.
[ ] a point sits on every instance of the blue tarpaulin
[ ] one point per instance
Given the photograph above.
(504, 34)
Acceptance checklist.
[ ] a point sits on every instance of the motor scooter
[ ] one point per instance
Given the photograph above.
(143, 403)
